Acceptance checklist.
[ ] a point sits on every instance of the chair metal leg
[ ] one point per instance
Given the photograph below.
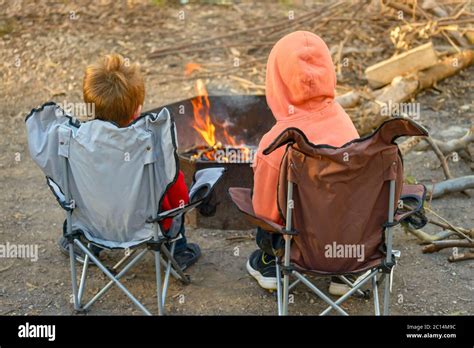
(376, 295)
(388, 243)
(386, 295)
(350, 292)
(72, 259)
(175, 274)
(184, 277)
(123, 260)
(167, 275)
(111, 276)
(292, 285)
(286, 278)
(158, 282)
(320, 293)
(286, 261)
(278, 276)
(82, 284)
(118, 276)
(351, 284)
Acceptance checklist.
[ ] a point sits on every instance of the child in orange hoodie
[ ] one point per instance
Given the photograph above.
(300, 87)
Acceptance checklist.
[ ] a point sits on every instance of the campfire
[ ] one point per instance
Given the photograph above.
(218, 145)
(219, 131)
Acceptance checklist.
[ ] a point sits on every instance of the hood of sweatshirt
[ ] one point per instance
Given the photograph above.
(300, 88)
(300, 77)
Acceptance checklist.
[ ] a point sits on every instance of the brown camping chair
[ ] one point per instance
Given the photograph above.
(337, 202)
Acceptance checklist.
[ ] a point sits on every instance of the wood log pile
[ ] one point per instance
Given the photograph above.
(459, 239)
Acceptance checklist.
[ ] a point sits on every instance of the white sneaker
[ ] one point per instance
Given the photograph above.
(263, 268)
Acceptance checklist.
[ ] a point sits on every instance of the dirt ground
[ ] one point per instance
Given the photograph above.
(43, 53)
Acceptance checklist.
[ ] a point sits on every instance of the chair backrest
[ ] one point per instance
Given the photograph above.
(341, 196)
(111, 171)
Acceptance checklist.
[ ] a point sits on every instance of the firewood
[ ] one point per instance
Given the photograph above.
(461, 257)
(443, 244)
(426, 237)
(450, 146)
(448, 227)
(440, 156)
(448, 67)
(452, 185)
(470, 35)
(349, 99)
(409, 144)
(440, 12)
(416, 59)
(404, 88)
(453, 228)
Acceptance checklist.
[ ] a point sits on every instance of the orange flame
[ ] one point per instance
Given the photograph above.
(202, 120)
(207, 129)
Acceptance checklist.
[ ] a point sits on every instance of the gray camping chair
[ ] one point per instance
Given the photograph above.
(111, 182)
(340, 196)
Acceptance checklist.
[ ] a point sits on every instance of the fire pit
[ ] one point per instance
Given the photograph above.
(220, 131)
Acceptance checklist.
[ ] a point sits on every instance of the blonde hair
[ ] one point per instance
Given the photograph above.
(115, 87)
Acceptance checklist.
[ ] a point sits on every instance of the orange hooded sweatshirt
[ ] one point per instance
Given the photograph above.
(300, 86)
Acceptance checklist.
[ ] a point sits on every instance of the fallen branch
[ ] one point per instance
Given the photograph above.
(450, 146)
(454, 228)
(440, 156)
(426, 237)
(450, 186)
(313, 15)
(448, 227)
(349, 99)
(443, 244)
(461, 257)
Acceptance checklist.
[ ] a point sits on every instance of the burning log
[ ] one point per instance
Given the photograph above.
(213, 150)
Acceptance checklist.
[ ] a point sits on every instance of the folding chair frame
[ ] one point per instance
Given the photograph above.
(287, 270)
(163, 257)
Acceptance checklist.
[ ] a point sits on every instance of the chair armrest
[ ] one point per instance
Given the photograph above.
(204, 182)
(412, 197)
(242, 198)
(174, 212)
